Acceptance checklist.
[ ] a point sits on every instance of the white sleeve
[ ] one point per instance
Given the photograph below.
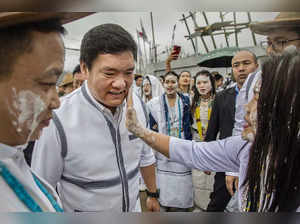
(218, 156)
(147, 156)
(240, 110)
(232, 174)
(47, 161)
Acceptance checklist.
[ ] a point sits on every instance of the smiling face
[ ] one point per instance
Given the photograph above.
(203, 85)
(110, 78)
(249, 130)
(30, 90)
(171, 85)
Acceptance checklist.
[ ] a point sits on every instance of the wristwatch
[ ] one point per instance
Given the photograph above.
(152, 194)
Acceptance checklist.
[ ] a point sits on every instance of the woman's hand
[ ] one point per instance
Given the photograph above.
(132, 122)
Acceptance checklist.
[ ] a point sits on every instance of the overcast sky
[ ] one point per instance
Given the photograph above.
(163, 28)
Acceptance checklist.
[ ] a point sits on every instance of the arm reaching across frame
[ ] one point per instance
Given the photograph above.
(155, 140)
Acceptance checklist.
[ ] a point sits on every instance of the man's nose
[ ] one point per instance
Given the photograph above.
(119, 83)
(241, 67)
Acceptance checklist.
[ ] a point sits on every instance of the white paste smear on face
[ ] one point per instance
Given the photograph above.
(207, 87)
(27, 107)
(174, 85)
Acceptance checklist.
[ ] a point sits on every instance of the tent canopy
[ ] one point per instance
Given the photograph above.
(219, 58)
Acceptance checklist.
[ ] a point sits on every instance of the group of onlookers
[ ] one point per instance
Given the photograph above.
(93, 145)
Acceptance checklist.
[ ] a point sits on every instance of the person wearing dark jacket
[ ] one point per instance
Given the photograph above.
(222, 122)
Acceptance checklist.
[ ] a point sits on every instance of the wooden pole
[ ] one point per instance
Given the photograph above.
(211, 35)
(188, 29)
(222, 20)
(235, 32)
(153, 39)
(202, 39)
(253, 35)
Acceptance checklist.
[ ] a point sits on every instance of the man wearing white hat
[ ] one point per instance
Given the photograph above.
(28, 98)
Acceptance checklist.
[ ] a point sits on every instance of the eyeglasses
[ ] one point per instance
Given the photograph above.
(276, 44)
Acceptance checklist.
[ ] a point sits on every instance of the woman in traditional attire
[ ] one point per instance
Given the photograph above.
(170, 115)
(201, 109)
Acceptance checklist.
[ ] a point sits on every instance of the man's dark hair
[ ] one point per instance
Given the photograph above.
(217, 76)
(162, 77)
(76, 70)
(137, 76)
(16, 40)
(106, 39)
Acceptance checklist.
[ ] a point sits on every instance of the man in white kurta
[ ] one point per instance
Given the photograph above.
(98, 167)
(87, 152)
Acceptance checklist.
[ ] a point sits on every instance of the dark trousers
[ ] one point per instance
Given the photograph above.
(220, 197)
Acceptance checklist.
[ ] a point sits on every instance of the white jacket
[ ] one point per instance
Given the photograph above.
(97, 165)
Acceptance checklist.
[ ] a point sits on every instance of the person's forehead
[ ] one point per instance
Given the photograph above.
(49, 65)
(202, 78)
(185, 74)
(171, 77)
(115, 60)
(146, 81)
(242, 56)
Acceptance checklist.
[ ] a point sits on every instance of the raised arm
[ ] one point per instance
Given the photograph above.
(155, 140)
(223, 155)
(172, 56)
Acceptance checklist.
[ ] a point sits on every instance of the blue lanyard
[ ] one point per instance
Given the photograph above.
(168, 119)
(237, 90)
(23, 195)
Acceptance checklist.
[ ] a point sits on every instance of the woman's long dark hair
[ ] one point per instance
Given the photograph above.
(197, 98)
(276, 148)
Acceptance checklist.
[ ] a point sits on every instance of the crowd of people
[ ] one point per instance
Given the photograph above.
(194, 143)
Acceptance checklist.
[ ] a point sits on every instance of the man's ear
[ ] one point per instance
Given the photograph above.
(84, 69)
